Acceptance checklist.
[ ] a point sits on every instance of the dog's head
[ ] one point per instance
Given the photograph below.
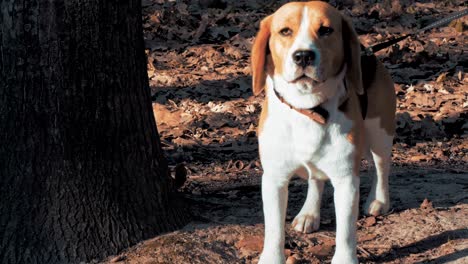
(305, 48)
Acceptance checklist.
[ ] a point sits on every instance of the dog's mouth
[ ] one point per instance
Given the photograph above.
(304, 78)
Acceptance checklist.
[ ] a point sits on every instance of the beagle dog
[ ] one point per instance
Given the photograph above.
(326, 106)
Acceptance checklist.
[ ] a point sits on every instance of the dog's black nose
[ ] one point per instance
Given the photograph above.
(304, 58)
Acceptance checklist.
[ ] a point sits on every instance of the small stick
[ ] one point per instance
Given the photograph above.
(379, 247)
(365, 252)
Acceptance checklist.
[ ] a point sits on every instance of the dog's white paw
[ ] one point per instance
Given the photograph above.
(376, 207)
(344, 259)
(272, 258)
(306, 223)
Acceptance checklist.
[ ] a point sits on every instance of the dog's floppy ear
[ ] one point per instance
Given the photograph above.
(352, 53)
(259, 56)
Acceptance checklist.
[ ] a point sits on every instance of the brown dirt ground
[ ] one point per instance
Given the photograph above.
(206, 115)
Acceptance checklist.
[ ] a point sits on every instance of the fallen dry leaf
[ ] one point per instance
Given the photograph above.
(426, 205)
(250, 245)
(370, 221)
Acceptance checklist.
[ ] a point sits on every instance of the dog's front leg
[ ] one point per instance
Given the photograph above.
(275, 199)
(346, 196)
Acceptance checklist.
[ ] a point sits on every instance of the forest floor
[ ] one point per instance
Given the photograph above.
(207, 117)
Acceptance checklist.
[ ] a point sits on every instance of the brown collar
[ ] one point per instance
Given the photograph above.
(318, 113)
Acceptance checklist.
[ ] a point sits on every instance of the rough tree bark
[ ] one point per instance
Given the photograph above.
(81, 170)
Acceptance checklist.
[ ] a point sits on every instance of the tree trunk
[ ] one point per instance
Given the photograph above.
(82, 174)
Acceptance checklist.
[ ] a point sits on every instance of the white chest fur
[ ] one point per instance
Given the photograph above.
(290, 141)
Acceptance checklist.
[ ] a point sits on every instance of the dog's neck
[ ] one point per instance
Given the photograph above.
(318, 113)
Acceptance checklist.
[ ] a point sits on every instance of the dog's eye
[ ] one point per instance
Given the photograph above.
(325, 31)
(286, 32)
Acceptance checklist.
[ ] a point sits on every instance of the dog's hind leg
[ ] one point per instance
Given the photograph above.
(308, 219)
(380, 145)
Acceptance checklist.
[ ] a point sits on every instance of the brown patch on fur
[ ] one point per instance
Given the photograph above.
(258, 56)
(290, 16)
(302, 173)
(329, 47)
(356, 134)
(352, 49)
(263, 116)
(351, 138)
(382, 99)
